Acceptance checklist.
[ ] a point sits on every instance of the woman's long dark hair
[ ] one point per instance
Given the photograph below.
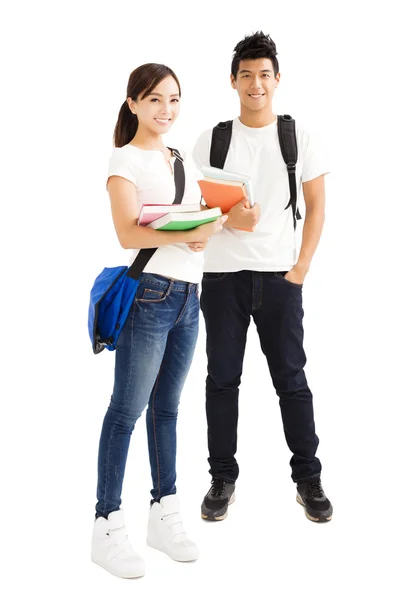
(142, 81)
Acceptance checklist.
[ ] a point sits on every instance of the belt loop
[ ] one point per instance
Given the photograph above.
(171, 283)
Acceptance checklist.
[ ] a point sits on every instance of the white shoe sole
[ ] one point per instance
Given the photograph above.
(190, 557)
(139, 572)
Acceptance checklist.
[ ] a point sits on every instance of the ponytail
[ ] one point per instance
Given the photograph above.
(126, 127)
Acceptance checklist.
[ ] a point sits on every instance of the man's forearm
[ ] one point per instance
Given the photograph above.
(312, 230)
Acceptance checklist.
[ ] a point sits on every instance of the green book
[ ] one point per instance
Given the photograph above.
(185, 221)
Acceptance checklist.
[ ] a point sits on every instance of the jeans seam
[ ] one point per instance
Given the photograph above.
(119, 417)
(181, 314)
(155, 430)
(255, 306)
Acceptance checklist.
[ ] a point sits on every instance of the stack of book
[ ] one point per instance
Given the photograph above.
(220, 190)
(224, 189)
(176, 217)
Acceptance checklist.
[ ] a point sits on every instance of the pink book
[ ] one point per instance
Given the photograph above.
(151, 212)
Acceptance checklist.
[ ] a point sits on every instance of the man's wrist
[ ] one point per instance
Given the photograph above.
(302, 268)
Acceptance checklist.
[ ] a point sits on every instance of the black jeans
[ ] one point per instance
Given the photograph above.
(228, 301)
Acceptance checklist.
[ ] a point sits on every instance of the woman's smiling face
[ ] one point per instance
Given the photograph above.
(158, 110)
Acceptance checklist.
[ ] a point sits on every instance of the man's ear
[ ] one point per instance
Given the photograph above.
(233, 82)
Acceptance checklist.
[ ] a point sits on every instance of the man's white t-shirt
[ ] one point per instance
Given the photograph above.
(149, 172)
(256, 152)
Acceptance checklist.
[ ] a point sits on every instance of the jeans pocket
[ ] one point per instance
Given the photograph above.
(209, 276)
(281, 275)
(149, 294)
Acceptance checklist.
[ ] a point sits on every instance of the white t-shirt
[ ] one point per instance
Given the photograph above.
(256, 152)
(154, 182)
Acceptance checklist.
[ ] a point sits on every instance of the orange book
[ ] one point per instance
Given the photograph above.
(222, 194)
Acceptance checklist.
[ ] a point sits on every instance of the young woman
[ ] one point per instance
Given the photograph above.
(156, 345)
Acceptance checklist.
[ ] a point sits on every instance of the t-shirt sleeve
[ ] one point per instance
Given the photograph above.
(201, 150)
(123, 164)
(315, 159)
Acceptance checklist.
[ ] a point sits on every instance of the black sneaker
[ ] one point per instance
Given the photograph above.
(216, 502)
(317, 506)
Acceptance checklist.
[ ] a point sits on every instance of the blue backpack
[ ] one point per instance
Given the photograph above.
(115, 288)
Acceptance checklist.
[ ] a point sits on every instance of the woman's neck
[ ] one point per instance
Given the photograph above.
(147, 140)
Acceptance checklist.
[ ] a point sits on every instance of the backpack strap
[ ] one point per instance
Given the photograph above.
(145, 254)
(220, 141)
(288, 144)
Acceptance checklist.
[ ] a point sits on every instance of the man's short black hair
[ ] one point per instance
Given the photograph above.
(254, 46)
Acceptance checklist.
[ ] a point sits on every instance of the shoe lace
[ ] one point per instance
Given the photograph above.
(315, 488)
(217, 487)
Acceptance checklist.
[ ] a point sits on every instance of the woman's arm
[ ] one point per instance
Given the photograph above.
(124, 211)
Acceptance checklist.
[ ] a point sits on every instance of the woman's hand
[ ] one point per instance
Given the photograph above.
(197, 246)
(203, 232)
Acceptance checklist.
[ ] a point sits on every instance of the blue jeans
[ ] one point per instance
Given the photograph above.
(153, 357)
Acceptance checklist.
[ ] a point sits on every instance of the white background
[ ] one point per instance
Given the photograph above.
(65, 67)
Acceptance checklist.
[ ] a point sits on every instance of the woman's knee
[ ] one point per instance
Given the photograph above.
(124, 416)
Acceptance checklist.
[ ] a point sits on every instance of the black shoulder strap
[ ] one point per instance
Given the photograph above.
(288, 144)
(220, 141)
(179, 176)
(145, 254)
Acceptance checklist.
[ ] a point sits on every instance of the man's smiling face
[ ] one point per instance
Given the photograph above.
(255, 83)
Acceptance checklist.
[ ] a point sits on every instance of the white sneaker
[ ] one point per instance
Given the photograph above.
(111, 548)
(165, 530)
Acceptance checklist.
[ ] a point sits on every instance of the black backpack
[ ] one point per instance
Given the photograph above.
(221, 139)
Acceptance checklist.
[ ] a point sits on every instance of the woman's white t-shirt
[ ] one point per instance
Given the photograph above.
(154, 181)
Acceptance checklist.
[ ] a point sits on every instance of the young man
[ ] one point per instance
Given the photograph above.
(256, 274)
